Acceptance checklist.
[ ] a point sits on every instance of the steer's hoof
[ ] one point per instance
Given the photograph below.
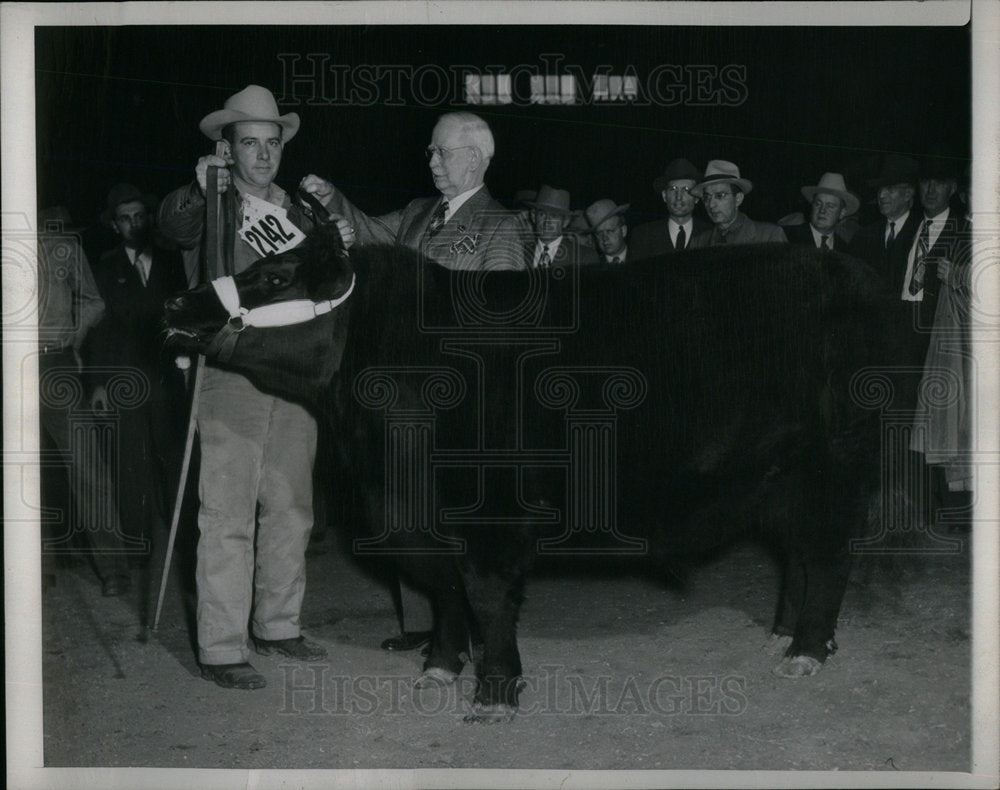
(434, 676)
(490, 714)
(798, 667)
(777, 645)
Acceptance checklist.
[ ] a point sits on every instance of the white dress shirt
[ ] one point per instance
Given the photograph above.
(455, 203)
(552, 247)
(673, 228)
(933, 233)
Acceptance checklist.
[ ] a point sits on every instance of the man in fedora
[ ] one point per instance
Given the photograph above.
(722, 191)
(135, 278)
(886, 244)
(606, 223)
(257, 450)
(551, 243)
(677, 231)
(831, 203)
(461, 227)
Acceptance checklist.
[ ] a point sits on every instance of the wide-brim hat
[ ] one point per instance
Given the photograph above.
(551, 201)
(833, 184)
(601, 210)
(896, 169)
(127, 193)
(677, 170)
(253, 104)
(719, 171)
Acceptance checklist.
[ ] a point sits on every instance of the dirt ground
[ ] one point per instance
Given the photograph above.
(621, 672)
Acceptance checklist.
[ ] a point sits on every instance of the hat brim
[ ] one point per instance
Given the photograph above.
(149, 200)
(744, 185)
(213, 123)
(617, 210)
(850, 201)
(549, 208)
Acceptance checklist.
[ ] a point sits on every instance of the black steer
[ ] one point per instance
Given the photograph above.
(664, 408)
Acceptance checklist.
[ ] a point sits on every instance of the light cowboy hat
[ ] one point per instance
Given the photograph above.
(551, 201)
(833, 184)
(601, 210)
(677, 170)
(253, 104)
(719, 171)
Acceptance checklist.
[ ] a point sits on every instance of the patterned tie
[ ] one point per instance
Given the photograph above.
(681, 239)
(919, 266)
(892, 235)
(437, 218)
(824, 242)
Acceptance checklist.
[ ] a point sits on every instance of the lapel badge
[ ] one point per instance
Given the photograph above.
(466, 244)
(461, 228)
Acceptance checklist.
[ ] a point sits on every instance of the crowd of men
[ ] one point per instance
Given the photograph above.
(258, 450)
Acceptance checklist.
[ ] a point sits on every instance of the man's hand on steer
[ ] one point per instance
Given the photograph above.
(323, 192)
(201, 172)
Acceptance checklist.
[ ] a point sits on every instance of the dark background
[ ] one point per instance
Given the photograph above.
(124, 104)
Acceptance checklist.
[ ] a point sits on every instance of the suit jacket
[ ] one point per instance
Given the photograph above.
(743, 230)
(869, 245)
(129, 334)
(572, 250)
(652, 239)
(481, 235)
(801, 235)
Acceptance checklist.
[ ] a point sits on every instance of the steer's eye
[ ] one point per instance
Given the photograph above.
(276, 280)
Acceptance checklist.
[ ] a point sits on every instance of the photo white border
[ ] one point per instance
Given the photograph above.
(22, 589)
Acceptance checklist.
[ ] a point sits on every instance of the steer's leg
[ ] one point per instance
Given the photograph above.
(450, 639)
(812, 641)
(793, 592)
(495, 601)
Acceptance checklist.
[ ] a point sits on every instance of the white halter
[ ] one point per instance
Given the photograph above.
(295, 311)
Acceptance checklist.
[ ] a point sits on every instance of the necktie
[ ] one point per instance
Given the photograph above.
(437, 218)
(616, 260)
(140, 267)
(545, 259)
(824, 242)
(892, 235)
(681, 239)
(919, 267)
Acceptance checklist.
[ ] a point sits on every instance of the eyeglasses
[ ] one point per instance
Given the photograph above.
(678, 191)
(430, 150)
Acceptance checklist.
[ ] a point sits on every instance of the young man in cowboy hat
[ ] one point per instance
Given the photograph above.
(134, 279)
(462, 227)
(831, 203)
(604, 217)
(679, 228)
(257, 450)
(722, 191)
(551, 243)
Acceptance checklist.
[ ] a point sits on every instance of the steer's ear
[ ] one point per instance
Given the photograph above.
(326, 260)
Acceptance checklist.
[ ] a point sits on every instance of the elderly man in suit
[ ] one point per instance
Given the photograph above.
(551, 243)
(722, 190)
(606, 223)
(462, 227)
(831, 203)
(678, 229)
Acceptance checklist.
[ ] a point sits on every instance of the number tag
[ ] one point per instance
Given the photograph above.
(266, 227)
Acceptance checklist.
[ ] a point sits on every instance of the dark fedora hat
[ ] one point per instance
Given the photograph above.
(677, 170)
(896, 169)
(126, 193)
(551, 200)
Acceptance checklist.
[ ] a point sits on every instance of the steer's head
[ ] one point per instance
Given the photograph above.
(293, 346)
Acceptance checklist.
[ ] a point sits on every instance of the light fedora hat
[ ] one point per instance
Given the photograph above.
(253, 104)
(551, 200)
(600, 210)
(719, 171)
(833, 184)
